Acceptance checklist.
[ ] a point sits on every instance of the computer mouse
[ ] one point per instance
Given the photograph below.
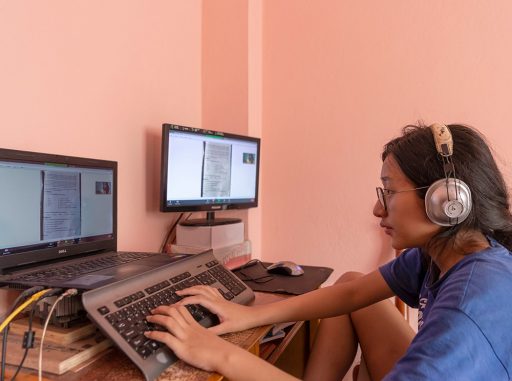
(285, 268)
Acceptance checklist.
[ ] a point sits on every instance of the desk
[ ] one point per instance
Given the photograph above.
(290, 355)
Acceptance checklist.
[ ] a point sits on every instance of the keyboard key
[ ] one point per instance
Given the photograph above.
(103, 310)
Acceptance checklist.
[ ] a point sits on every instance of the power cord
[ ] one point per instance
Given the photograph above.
(29, 336)
(28, 342)
(33, 294)
(69, 292)
(25, 294)
(171, 234)
(31, 300)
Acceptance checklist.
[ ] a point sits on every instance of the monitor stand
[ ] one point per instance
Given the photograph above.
(210, 220)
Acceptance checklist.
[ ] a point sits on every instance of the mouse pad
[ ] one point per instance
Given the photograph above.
(256, 276)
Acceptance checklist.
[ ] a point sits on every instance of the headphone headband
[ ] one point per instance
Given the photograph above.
(443, 139)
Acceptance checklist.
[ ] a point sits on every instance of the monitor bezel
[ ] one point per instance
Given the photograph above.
(20, 260)
(166, 128)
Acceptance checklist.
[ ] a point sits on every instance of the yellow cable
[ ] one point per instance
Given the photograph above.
(32, 299)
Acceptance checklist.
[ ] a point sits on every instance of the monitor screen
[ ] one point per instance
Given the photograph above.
(205, 170)
(54, 206)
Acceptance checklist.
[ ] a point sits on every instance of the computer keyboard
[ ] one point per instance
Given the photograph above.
(77, 268)
(120, 309)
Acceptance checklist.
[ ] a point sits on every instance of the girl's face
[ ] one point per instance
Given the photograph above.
(405, 219)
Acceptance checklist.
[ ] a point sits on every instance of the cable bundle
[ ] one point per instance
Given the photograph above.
(25, 299)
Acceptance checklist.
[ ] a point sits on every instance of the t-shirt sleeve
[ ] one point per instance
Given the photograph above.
(450, 346)
(405, 274)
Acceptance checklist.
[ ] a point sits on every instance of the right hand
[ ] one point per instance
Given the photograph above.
(233, 317)
(190, 341)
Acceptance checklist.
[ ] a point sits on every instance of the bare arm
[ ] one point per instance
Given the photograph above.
(203, 349)
(335, 300)
(330, 301)
(244, 366)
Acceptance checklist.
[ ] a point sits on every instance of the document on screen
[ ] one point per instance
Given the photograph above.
(216, 181)
(61, 205)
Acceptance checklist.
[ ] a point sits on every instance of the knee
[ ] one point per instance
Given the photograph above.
(348, 276)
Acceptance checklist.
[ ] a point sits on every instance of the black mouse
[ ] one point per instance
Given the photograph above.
(285, 268)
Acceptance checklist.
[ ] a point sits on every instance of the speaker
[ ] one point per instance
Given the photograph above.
(448, 200)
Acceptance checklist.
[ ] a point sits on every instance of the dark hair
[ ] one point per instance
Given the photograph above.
(416, 154)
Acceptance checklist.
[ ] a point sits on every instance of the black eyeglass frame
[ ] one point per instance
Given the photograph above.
(383, 192)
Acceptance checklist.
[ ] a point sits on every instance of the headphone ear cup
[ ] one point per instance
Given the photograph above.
(448, 202)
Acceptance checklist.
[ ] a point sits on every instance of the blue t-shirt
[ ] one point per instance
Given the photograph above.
(464, 318)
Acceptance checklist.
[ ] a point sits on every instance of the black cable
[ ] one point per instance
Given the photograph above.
(52, 292)
(21, 297)
(29, 337)
(171, 229)
(28, 340)
(24, 295)
(4, 354)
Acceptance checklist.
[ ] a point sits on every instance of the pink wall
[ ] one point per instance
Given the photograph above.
(342, 78)
(224, 65)
(97, 79)
(325, 84)
(255, 94)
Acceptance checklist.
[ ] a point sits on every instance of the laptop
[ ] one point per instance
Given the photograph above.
(58, 223)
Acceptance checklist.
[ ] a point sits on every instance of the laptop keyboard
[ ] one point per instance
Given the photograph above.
(120, 309)
(65, 272)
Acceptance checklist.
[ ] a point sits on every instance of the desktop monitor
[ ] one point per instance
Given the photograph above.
(204, 170)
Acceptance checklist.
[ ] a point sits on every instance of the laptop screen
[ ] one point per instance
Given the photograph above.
(54, 206)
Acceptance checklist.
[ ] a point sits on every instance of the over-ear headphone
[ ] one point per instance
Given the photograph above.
(448, 200)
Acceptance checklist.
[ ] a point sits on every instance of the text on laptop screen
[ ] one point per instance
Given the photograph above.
(51, 205)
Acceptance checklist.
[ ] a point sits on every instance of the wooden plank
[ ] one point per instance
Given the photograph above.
(54, 334)
(57, 358)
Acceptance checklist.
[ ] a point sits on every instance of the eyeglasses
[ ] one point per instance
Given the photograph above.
(383, 192)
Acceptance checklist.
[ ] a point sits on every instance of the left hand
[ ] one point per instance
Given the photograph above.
(233, 317)
(190, 341)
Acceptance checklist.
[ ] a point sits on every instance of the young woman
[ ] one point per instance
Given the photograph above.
(445, 202)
